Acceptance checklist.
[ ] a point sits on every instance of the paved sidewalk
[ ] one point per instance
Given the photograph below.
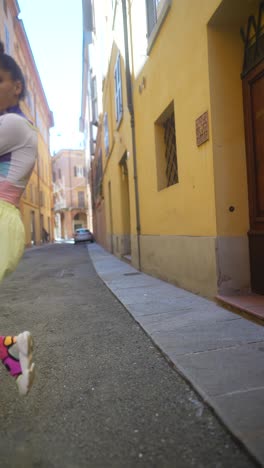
(218, 352)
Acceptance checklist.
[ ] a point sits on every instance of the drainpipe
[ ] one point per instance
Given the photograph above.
(132, 123)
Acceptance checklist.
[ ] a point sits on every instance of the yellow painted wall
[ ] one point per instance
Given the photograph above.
(177, 70)
(46, 185)
(189, 235)
(226, 53)
(40, 181)
(28, 204)
(123, 220)
(230, 173)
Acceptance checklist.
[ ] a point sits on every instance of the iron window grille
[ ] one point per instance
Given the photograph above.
(253, 38)
(171, 151)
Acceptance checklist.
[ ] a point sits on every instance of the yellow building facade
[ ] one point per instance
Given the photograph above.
(36, 203)
(183, 167)
(117, 164)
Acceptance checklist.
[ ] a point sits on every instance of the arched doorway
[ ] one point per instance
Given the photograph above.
(79, 221)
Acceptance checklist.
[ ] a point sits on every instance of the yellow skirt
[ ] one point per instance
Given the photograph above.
(12, 238)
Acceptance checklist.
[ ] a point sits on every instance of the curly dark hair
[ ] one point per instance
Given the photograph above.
(7, 63)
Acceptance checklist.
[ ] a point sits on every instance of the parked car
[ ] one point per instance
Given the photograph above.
(83, 235)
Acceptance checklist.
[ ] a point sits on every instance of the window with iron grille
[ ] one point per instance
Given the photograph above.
(166, 149)
(171, 151)
(118, 90)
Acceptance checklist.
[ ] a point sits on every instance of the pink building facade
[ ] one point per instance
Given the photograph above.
(69, 175)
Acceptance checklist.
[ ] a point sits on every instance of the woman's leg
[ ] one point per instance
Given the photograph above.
(15, 351)
(16, 355)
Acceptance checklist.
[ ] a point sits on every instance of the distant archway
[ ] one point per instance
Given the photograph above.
(79, 221)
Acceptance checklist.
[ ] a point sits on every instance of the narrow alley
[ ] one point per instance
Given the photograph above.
(104, 396)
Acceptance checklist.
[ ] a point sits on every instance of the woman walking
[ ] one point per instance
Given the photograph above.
(18, 150)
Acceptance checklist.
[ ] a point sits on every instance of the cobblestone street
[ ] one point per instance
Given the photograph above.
(104, 396)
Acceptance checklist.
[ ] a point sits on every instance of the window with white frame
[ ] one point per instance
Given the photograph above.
(79, 171)
(118, 90)
(156, 12)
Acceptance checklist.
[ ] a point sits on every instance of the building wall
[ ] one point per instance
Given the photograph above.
(194, 232)
(188, 231)
(178, 224)
(118, 187)
(186, 208)
(98, 197)
(36, 203)
(225, 58)
(69, 173)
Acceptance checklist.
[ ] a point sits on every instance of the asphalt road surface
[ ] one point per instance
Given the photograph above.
(104, 396)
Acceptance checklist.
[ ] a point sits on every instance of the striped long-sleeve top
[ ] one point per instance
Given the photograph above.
(18, 151)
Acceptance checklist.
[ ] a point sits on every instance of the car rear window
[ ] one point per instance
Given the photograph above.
(81, 231)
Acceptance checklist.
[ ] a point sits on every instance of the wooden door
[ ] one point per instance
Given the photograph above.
(253, 90)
